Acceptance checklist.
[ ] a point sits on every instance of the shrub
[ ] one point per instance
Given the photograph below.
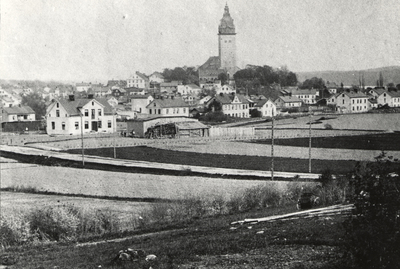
(373, 232)
(217, 116)
(55, 223)
(14, 230)
(328, 126)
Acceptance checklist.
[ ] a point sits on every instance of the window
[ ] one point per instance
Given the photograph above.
(58, 105)
(92, 103)
(25, 117)
(167, 111)
(93, 114)
(63, 125)
(150, 111)
(109, 124)
(184, 110)
(99, 124)
(159, 111)
(76, 125)
(53, 125)
(86, 125)
(86, 112)
(99, 112)
(57, 113)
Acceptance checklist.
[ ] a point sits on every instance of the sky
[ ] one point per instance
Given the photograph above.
(99, 40)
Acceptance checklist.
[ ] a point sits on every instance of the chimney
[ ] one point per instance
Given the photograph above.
(90, 96)
(72, 97)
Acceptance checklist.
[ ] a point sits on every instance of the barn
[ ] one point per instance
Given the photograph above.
(161, 126)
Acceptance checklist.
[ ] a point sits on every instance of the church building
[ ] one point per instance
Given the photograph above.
(225, 62)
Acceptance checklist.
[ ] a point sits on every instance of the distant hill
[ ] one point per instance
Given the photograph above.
(348, 78)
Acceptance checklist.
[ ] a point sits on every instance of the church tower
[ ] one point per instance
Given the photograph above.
(227, 43)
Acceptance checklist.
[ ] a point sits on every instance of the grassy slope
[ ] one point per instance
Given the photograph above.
(386, 142)
(202, 242)
(144, 153)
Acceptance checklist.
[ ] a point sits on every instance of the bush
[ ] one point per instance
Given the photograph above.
(328, 126)
(55, 223)
(217, 116)
(373, 232)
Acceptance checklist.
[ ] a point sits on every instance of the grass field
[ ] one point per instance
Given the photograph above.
(386, 142)
(208, 243)
(143, 153)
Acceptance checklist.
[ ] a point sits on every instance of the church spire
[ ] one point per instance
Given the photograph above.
(226, 26)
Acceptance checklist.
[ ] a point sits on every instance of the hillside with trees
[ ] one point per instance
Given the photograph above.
(369, 77)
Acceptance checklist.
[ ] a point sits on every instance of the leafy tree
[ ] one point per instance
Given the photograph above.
(223, 77)
(373, 232)
(36, 102)
(256, 76)
(214, 106)
(316, 83)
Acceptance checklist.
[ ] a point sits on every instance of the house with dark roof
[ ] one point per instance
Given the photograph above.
(352, 102)
(17, 113)
(266, 107)
(72, 116)
(172, 106)
(288, 102)
(233, 105)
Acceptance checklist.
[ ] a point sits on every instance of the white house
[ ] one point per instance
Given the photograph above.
(234, 105)
(188, 89)
(138, 80)
(308, 96)
(168, 107)
(83, 87)
(156, 77)
(352, 102)
(225, 89)
(288, 102)
(267, 107)
(17, 113)
(140, 102)
(71, 116)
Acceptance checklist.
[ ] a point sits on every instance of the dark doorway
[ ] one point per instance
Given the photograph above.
(94, 126)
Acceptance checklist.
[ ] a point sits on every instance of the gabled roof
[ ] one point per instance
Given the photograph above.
(290, 99)
(158, 74)
(19, 110)
(213, 62)
(133, 89)
(190, 125)
(168, 102)
(262, 102)
(355, 94)
(143, 76)
(72, 106)
(394, 93)
(304, 92)
(139, 96)
(194, 86)
(228, 98)
(169, 84)
(378, 91)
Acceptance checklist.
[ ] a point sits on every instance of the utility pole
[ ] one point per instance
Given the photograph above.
(83, 151)
(272, 145)
(309, 149)
(114, 132)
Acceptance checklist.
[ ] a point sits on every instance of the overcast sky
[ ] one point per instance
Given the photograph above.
(97, 40)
